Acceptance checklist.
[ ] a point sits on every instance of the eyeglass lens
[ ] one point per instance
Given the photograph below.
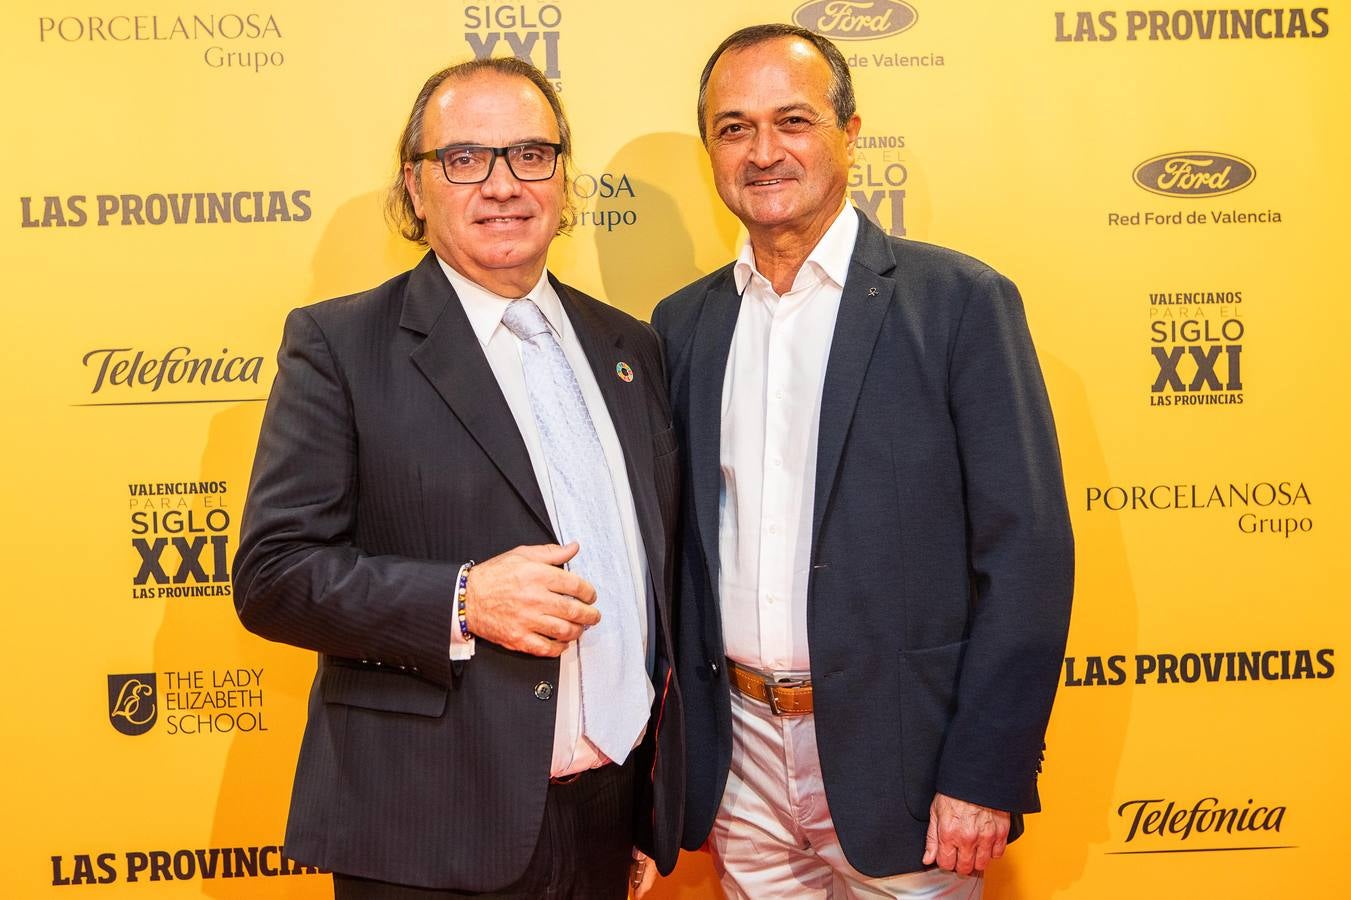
(528, 162)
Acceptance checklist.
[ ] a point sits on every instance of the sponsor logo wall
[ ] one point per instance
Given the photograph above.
(1167, 186)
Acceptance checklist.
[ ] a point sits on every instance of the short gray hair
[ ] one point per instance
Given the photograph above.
(841, 89)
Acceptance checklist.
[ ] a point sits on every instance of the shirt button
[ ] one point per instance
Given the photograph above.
(778, 462)
(778, 395)
(544, 690)
(773, 529)
(770, 599)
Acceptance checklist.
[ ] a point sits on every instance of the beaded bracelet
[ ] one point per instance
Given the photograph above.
(462, 588)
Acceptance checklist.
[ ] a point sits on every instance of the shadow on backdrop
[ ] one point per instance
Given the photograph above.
(203, 634)
(356, 251)
(682, 231)
(1077, 790)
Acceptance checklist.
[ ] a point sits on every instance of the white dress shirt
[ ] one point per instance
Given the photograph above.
(572, 752)
(771, 410)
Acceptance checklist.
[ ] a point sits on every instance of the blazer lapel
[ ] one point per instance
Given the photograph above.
(708, 366)
(863, 305)
(452, 360)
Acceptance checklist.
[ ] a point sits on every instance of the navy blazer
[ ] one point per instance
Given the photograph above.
(941, 551)
(388, 456)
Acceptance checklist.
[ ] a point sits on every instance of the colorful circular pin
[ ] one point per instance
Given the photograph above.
(624, 371)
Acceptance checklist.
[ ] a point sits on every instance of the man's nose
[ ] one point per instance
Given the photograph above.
(500, 184)
(766, 149)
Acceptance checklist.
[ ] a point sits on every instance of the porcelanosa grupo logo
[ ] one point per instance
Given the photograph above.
(132, 704)
(221, 32)
(856, 20)
(1194, 174)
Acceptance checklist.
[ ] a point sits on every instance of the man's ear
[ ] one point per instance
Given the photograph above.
(412, 184)
(851, 130)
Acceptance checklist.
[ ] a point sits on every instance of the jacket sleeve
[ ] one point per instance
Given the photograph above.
(1021, 553)
(299, 576)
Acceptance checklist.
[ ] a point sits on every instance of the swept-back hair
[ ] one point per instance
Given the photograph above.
(841, 90)
(399, 211)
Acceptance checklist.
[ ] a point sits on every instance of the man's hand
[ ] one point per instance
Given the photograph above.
(642, 875)
(524, 601)
(964, 837)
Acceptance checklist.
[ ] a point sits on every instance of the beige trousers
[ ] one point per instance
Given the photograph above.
(773, 836)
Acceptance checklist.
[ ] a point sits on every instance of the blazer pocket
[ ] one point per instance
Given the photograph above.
(382, 690)
(664, 442)
(928, 699)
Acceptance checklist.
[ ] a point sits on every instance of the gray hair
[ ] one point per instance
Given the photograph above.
(399, 209)
(841, 89)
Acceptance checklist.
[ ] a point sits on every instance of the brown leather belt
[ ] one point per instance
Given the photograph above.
(786, 697)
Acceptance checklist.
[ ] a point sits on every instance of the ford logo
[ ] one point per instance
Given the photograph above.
(856, 20)
(1194, 174)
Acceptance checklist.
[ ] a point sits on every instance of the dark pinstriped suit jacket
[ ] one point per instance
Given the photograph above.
(388, 456)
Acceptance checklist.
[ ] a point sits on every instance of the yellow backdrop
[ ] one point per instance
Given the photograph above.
(1167, 186)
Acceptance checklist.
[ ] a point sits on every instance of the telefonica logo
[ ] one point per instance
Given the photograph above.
(1194, 174)
(1173, 820)
(131, 368)
(856, 20)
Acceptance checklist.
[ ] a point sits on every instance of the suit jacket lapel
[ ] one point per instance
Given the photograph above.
(626, 402)
(452, 360)
(863, 305)
(708, 366)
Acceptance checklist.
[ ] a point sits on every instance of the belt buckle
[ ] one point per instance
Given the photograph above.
(771, 684)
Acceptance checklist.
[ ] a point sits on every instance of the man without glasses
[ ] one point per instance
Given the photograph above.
(876, 555)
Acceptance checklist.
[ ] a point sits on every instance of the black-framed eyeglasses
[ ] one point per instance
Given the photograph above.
(473, 164)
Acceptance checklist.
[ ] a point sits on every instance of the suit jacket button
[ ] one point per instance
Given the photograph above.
(544, 690)
(713, 667)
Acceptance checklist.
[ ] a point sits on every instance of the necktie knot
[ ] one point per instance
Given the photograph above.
(524, 319)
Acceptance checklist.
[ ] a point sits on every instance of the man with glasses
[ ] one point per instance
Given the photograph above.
(508, 727)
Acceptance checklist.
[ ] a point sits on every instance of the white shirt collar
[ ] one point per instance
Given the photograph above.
(485, 309)
(828, 259)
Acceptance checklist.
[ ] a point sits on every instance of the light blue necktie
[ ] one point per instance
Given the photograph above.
(610, 653)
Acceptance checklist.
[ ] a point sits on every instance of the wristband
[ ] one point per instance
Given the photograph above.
(462, 588)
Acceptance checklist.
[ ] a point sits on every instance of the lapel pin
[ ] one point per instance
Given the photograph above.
(872, 292)
(624, 371)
